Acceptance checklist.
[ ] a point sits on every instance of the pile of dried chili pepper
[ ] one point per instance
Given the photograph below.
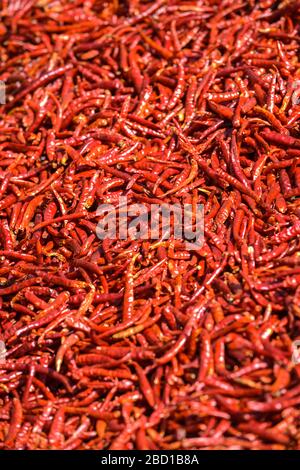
(142, 344)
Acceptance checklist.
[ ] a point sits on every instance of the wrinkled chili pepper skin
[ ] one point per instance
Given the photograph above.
(143, 344)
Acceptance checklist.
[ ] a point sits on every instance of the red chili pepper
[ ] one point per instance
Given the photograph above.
(154, 346)
(16, 422)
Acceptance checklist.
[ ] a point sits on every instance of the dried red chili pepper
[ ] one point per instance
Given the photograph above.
(154, 346)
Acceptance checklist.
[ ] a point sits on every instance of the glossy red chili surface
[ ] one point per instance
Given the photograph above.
(142, 344)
